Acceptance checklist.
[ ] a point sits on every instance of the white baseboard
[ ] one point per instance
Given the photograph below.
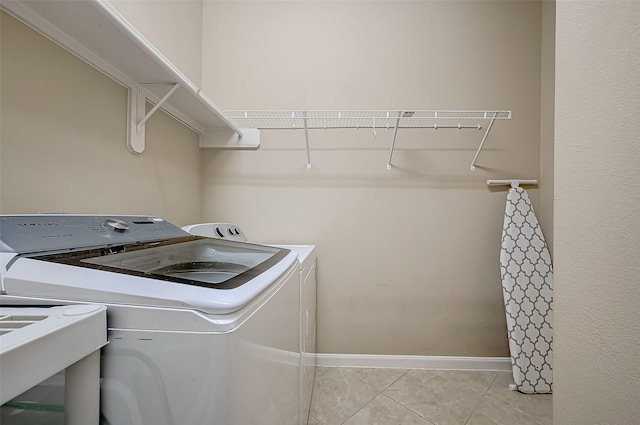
(413, 362)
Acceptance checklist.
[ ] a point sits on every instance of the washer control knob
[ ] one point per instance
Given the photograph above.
(115, 225)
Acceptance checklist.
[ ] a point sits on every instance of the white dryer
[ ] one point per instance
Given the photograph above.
(307, 259)
(200, 330)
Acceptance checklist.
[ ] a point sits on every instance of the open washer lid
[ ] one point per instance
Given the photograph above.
(142, 262)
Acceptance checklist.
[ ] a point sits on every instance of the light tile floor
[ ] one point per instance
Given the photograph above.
(358, 396)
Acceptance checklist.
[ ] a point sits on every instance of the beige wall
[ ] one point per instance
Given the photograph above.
(174, 27)
(408, 258)
(597, 224)
(547, 114)
(63, 140)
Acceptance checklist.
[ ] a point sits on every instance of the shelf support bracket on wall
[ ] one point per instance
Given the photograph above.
(138, 117)
(306, 137)
(484, 139)
(395, 135)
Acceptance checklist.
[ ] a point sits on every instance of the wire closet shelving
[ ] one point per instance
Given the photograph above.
(369, 119)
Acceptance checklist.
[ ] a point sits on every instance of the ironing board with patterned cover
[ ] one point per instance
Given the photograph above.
(527, 282)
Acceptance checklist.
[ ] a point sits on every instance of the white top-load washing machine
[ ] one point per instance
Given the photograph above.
(307, 259)
(200, 330)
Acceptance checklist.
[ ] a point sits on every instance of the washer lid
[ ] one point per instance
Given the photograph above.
(192, 260)
(46, 280)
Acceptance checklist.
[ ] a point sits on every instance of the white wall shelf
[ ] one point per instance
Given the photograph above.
(374, 119)
(96, 32)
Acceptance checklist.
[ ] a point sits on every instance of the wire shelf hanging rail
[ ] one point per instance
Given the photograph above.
(368, 119)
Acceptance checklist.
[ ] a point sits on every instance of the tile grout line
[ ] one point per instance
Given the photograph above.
(401, 404)
(379, 392)
(408, 408)
(313, 388)
(367, 403)
(482, 396)
(357, 411)
(382, 393)
(491, 384)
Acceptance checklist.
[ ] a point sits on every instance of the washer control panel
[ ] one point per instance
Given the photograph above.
(37, 233)
(216, 230)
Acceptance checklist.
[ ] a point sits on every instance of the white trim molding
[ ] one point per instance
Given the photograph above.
(413, 362)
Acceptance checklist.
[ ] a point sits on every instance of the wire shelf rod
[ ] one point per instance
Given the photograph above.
(369, 119)
(393, 143)
(277, 119)
(376, 127)
(306, 137)
(369, 113)
(484, 139)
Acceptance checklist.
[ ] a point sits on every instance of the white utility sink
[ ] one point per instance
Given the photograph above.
(36, 343)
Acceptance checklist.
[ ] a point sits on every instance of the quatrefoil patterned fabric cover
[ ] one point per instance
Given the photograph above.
(527, 283)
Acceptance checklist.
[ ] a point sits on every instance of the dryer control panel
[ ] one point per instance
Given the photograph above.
(217, 230)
